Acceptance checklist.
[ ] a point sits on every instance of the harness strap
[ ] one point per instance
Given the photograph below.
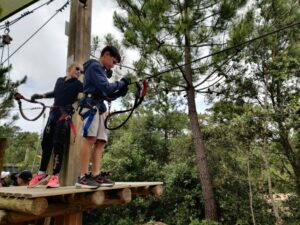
(90, 114)
(71, 124)
(88, 123)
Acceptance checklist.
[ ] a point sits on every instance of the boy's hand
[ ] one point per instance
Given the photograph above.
(124, 91)
(36, 96)
(126, 80)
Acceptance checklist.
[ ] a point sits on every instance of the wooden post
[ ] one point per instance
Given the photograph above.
(3, 142)
(78, 51)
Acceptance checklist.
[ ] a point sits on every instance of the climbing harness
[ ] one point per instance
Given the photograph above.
(141, 91)
(19, 97)
(68, 118)
(90, 114)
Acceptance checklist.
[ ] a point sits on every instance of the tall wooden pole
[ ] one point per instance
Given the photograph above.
(3, 143)
(79, 33)
(78, 51)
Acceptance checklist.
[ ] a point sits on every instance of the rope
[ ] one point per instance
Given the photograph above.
(57, 11)
(237, 47)
(7, 23)
(141, 92)
(19, 97)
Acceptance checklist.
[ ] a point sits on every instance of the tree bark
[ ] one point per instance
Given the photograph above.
(265, 155)
(197, 136)
(250, 192)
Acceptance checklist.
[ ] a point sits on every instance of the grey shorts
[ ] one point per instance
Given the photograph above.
(97, 128)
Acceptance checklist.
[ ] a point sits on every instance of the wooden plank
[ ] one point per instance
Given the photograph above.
(43, 192)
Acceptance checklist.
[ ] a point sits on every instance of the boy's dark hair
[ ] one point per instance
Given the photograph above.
(113, 51)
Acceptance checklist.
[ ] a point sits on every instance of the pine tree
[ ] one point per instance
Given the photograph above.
(172, 33)
(267, 76)
(7, 92)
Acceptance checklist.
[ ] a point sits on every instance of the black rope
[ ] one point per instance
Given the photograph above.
(57, 11)
(237, 47)
(140, 93)
(19, 97)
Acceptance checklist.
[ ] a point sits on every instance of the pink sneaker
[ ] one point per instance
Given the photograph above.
(38, 179)
(53, 182)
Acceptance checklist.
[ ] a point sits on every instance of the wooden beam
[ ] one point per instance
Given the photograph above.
(32, 206)
(3, 143)
(148, 190)
(94, 198)
(76, 204)
(116, 197)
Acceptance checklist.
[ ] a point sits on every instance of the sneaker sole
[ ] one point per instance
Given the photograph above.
(85, 186)
(106, 185)
(52, 186)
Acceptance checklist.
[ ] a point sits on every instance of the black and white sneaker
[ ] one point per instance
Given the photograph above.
(103, 181)
(87, 181)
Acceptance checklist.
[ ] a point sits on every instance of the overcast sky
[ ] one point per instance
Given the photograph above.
(43, 58)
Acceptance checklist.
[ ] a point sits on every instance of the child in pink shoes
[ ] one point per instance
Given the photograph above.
(56, 135)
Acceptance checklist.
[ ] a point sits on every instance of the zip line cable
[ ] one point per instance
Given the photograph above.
(236, 47)
(57, 11)
(8, 23)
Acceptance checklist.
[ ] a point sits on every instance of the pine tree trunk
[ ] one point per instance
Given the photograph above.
(202, 163)
(265, 154)
(250, 192)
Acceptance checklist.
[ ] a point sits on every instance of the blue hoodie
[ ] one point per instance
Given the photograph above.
(96, 83)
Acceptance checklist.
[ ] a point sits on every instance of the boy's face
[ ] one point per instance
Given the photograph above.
(108, 61)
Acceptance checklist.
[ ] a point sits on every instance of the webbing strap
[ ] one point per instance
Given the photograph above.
(71, 124)
(90, 114)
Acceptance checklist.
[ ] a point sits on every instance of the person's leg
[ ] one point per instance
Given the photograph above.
(60, 140)
(85, 179)
(85, 151)
(97, 155)
(47, 146)
(102, 136)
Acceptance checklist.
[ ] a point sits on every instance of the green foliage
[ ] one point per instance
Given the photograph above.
(22, 149)
(203, 222)
(7, 90)
(270, 65)
(156, 144)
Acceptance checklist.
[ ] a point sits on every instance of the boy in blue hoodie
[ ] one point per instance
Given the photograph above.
(96, 89)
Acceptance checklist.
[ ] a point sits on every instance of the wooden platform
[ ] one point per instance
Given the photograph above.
(41, 191)
(20, 204)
